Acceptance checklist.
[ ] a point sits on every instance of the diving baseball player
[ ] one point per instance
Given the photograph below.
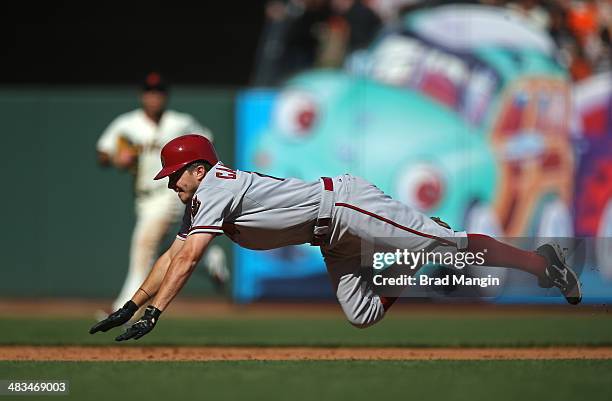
(338, 214)
(133, 140)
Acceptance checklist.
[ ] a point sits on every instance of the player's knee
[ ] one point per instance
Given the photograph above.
(367, 315)
(360, 324)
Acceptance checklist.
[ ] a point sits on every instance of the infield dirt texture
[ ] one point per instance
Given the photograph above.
(303, 352)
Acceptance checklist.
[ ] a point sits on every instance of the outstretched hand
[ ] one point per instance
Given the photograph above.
(117, 318)
(144, 325)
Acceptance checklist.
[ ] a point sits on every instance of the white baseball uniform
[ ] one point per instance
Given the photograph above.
(262, 212)
(156, 207)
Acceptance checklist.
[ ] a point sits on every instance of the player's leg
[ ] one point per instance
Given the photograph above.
(504, 255)
(547, 263)
(360, 304)
(148, 233)
(367, 212)
(365, 215)
(215, 261)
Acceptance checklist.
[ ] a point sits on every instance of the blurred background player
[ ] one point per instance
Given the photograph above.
(133, 141)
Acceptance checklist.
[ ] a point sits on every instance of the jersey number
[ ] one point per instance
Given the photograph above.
(229, 174)
(225, 173)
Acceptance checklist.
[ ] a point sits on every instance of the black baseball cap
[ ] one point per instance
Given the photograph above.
(154, 82)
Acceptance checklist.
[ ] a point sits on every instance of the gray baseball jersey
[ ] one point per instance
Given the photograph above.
(261, 212)
(258, 211)
(255, 211)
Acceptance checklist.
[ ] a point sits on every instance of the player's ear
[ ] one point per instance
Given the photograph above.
(201, 172)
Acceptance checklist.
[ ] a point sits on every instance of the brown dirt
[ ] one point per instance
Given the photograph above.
(116, 353)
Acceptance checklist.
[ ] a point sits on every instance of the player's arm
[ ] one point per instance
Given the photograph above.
(151, 285)
(181, 268)
(126, 154)
(114, 147)
(104, 158)
(147, 290)
(184, 258)
(124, 158)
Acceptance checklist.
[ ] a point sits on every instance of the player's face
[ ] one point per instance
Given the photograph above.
(154, 102)
(185, 183)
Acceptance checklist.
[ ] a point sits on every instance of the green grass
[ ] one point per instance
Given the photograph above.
(322, 380)
(315, 380)
(543, 330)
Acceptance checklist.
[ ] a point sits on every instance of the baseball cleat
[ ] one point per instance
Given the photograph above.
(559, 274)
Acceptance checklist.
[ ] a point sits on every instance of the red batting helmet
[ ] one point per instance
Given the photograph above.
(183, 150)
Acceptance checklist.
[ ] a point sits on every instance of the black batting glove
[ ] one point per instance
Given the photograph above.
(144, 325)
(116, 318)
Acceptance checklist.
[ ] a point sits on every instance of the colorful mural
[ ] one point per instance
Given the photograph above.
(592, 99)
(477, 132)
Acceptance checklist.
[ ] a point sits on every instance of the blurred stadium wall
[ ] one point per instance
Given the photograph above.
(67, 222)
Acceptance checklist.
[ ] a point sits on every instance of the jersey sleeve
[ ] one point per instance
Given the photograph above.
(185, 224)
(107, 142)
(209, 209)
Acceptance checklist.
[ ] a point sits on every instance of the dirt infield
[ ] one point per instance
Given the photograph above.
(29, 353)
